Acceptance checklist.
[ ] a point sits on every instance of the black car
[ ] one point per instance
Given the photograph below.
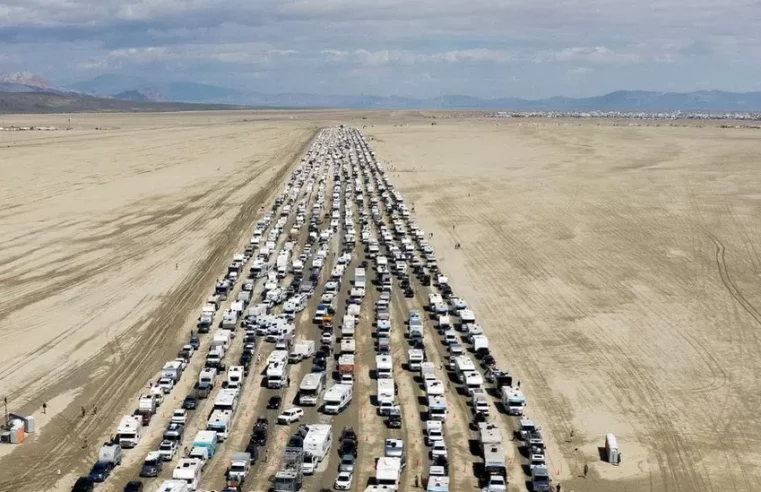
(83, 484)
(274, 403)
(259, 434)
(190, 402)
(100, 471)
(488, 360)
(134, 486)
(319, 365)
(426, 280)
(409, 292)
(394, 421)
(194, 342)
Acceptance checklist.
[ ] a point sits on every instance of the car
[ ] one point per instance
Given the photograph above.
(152, 465)
(488, 360)
(348, 461)
(167, 449)
(439, 448)
(344, 481)
(174, 431)
(180, 416)
(259, 433)
(394, 422)
(249, 349)
(408, 292)
(290, 416)
(274, 403)
(190, 402)
(100, 471)
(84, 484)
(134, 486)
(194, 342)
(166, 385)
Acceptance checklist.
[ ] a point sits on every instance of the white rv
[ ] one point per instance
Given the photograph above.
(513, 400)
(317, 445)
(312, 385)
(387, 473)
(128, 432)
(189, 471)
(385, 391)
(337, 398)
(384, 366)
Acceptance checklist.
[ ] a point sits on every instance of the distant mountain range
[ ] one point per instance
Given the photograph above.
(110, 84)
(136, 89)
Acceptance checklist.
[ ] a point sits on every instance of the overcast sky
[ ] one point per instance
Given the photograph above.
(421, 48)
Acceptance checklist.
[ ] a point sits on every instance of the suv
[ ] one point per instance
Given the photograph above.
(84, 484)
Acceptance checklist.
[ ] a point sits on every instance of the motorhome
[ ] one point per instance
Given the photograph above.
(235, 377)
(219, 422)
(277, 374)
(513, 400)
(128, 432)
(349, 326)
(494, 460)
(383, 366)
(206, 319)
(346, 364)
(317, 445)
(434, 387)
(337, 398)
(311, 387)
(295, 304)
(208, 376)
(208, 440)
(437, 407)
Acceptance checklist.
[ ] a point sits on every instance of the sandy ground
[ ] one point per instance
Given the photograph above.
(613, 267)
(110, 240)
(616, 272)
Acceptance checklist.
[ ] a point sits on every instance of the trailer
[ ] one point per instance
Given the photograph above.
(301, 350)
(290, 474)
(189, 471)
(348, 346)
(317, 445)
(346, 364)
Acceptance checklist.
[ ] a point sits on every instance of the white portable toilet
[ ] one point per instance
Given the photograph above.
(611, 449)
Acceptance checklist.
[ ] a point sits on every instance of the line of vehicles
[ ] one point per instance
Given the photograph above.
(399, 251)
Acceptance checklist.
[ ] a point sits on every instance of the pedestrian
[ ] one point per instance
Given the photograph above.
(185, 451)
(84, 412)
(45, 408)
(84, 444)
(417, 481)
(266, 455)
(453, 227)
(176, 265)
(95, 410)
(519, 384)
(558, 488)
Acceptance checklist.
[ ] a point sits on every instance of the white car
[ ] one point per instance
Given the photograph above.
(439, 448)
(290, 416)
(344, 481)
(327, 297)
(166, 385)
(347, 379)
(167, 449)
(180, 416)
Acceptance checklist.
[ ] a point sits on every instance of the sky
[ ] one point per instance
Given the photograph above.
(416, 48)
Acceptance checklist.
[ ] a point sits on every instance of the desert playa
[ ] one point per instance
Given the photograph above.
(614, 268)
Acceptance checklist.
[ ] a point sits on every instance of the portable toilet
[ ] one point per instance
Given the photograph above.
(611, 449)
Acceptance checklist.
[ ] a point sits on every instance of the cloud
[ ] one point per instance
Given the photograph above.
(478, 45)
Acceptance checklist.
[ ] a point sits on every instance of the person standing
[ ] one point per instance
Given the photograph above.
(45, 408)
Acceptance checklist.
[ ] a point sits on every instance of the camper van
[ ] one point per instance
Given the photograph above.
(317, 445)
(337, 398)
